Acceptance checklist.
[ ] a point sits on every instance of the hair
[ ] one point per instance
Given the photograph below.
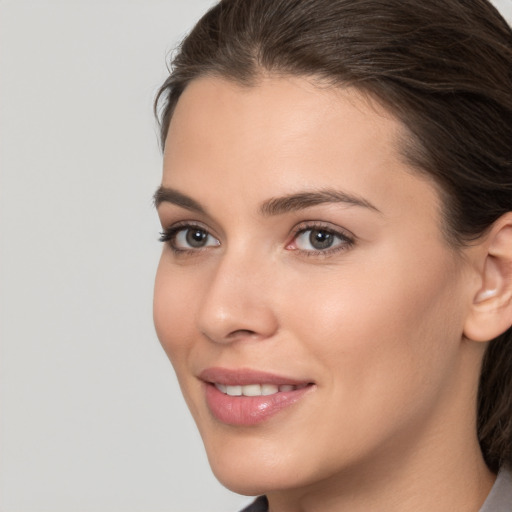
(442, 67)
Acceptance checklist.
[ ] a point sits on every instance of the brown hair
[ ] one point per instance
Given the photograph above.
(443, 67)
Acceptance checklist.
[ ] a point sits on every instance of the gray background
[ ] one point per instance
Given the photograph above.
(91, 418)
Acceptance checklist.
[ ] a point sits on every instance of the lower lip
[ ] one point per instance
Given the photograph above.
(249, 410)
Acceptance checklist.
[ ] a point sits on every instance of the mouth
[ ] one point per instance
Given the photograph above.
(247, 397)
(257, 389)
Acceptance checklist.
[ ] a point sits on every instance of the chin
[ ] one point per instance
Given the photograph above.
(259, 465)
(254, 481)
(244, 485)
(252, 467)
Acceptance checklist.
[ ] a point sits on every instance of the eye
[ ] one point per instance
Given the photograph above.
(193, 238)
(316, 240)
(188, 238)
(319, 239)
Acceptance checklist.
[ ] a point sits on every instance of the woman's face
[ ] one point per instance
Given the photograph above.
(304, 266)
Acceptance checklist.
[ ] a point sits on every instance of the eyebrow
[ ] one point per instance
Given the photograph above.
(273, 206)
(169, 195)
(302, 200)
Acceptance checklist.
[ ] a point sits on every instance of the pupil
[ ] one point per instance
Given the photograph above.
(196, 237)
(320, 239)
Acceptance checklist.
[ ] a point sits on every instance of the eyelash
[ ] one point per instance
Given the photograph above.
(346, 240)
(168, 236)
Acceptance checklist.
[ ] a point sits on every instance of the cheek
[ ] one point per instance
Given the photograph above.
(382, 329)
(172, 314)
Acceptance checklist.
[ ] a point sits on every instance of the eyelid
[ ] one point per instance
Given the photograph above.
(168, 236)
(348, 238)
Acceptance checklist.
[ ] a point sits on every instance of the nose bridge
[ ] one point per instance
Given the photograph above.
(237, 303)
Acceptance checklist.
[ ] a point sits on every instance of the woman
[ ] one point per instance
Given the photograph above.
(335, 288)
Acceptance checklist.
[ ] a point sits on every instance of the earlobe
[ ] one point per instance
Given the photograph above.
(491, 311)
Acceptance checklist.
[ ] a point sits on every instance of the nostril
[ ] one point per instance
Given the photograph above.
(241, 333)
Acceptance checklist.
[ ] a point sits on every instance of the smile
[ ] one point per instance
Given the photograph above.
(256, 389)
(244, 397)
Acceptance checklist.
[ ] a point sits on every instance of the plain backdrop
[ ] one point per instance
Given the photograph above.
(91, 418)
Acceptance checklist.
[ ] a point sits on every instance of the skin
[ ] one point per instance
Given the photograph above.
(377, 323)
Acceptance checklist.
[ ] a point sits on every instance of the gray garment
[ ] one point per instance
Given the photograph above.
(499, 499)
(258, 505)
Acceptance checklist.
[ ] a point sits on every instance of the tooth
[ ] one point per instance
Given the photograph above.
(234, 390)
(269, 389)
(256, 389)
(251, 390)
(221, 387)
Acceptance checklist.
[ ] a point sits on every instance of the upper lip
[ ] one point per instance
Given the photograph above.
(245, 376)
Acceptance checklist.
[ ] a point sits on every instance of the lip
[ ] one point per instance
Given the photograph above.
(244, 377)
(244, 410)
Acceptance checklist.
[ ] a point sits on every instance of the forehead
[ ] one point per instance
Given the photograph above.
(283, 135)
(279, 109)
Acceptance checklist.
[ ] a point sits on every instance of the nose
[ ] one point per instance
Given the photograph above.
(238, 301)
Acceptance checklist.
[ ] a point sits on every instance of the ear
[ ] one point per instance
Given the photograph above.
(491, 311)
